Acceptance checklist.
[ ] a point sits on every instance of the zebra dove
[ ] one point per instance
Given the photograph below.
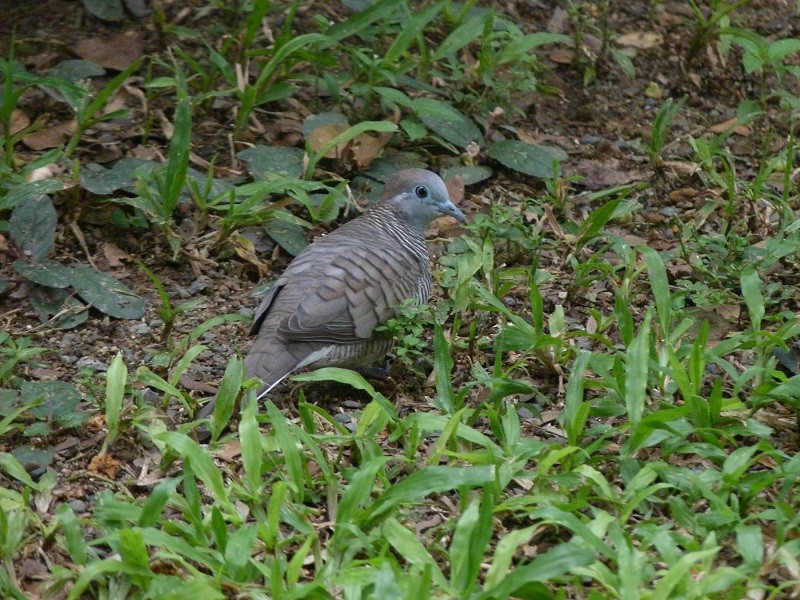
(324, 308)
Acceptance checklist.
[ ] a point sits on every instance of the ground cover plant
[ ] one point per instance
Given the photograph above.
(601, 400)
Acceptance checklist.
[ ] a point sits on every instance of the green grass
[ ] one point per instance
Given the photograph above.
(588, 431)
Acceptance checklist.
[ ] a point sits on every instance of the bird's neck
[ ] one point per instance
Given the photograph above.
(398, 226)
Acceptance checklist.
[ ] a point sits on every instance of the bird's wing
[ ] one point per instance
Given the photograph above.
(356, 289)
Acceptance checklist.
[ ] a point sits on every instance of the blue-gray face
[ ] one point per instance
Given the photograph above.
(421, 196)
(435, 195)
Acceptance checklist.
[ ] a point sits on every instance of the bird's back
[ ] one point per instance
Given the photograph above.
(324, 308)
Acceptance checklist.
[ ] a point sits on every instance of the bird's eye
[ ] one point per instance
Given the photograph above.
(421, 191)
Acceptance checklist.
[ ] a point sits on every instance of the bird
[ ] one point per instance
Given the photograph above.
(323, 311)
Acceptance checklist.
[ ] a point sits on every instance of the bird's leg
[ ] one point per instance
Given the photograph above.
(379, 372)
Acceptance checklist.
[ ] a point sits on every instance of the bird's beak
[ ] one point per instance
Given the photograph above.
(451, 210)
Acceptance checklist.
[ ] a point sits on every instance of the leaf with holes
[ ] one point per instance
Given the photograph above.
(33, 226)
(531, 159)
(107, 294)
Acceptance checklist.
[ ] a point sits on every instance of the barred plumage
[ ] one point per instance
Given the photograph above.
(324, 308)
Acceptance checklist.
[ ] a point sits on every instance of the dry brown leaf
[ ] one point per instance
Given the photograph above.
(49, 137)
(115, 255)
(19, 121)
(246, 251)
(104, 465)
(561, 56)
(455, 189)
(116, 52)
(601, 174)
(641, 40)
(358, 152)
(729, 311)
(681, 168)
(364, 148)
(726, 125)
(321, 136)
(285, 131)
(230, 451)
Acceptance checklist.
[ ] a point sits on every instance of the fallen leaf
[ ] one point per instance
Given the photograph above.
(601, 174)
(358, 152)
(455, 189)
(730, 123)
(363, 149)
(561, 56)
(19, 121)
(114, 255)
(321, 137)
(104, 465)
(117, 52)
(641, 40)
(729, 311)
(230, 451)
(49, 137)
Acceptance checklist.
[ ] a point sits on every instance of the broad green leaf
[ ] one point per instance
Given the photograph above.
(73, 535)
(470, 540)
(466, 33)
(519, 46)
(448, 122)
(659, 284)
(35, 459)
(106, 10)
(531, 159)
(250, 438)
(751, 291)
(124, 174)
(74, 70)
(202, 464)
(358, 492)
(264, 162)
(289, 235)
(408, 545)
(106, 294)
(33, 226)
(227, 394)
(469, 175)
(555, 562)
(445, 399)
(58, 307)
(288, 442)
(60, 400)
(11, 466)
(156, 501)
(116, 377)
(637, 363)
(383, 9)
(22, 192)
(177, 166)
(45, 272)
(428, 481)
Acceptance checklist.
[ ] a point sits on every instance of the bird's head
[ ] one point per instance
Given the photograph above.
(419, 196)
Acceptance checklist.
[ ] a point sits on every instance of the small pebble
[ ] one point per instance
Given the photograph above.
(92, 363)
(669, 211)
